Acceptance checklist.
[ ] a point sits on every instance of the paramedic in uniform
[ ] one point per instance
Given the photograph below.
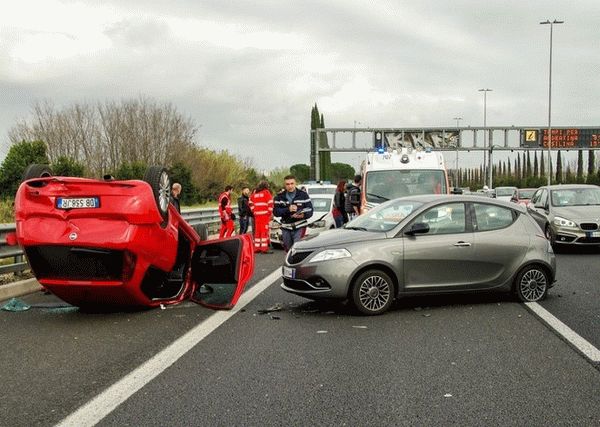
(261, 205)
(226, 213)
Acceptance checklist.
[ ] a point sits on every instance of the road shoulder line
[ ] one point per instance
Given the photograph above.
(576, 340)
(103, 404)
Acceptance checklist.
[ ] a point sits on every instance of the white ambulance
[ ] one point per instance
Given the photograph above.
(403, 172)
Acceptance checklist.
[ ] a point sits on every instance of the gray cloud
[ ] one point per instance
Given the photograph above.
(385, 63)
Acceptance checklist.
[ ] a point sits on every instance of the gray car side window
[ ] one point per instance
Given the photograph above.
(492, 217)
(543, 199)
(444, 219)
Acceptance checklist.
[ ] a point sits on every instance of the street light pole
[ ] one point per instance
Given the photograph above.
(489, 169)
(354, 133)
(551, 23)
(456, 173)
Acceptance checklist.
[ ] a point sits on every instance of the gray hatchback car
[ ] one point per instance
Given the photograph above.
(424, 245)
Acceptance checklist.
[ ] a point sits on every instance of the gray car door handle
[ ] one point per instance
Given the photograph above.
(462, 244)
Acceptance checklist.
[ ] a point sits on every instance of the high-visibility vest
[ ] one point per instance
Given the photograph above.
(261, 203)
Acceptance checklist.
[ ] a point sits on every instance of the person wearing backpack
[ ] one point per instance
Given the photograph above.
(352, 204)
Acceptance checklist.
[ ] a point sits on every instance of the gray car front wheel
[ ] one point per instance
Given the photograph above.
(373, 292)
(532, 283)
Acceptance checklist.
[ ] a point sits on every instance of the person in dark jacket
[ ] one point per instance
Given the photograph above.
(339, 204)
(294, 207)
(353, 198)
(244, 212)
(175, 193)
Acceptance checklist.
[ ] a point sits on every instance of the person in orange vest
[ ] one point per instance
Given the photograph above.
(261, 205)
(226, 214)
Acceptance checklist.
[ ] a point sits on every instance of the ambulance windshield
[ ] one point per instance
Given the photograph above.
(390, 184)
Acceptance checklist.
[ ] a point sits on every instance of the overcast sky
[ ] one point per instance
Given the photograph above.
(249, 72)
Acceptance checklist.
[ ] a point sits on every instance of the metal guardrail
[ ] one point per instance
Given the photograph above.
(12, 259)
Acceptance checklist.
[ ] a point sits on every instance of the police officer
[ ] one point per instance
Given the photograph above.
(294, 207)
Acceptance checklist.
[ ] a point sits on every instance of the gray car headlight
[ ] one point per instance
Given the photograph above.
(330, 254)
(563, 222)
(317, 224)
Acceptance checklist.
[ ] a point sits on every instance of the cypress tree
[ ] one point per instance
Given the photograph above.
(528, 170)
(535, 165)
(558, 168)
(325, 155)
(569, 175)
(317, 121)
(579, 179)
(591, 179)
(542, 165)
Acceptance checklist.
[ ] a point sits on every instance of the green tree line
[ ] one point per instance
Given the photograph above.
(526, 171)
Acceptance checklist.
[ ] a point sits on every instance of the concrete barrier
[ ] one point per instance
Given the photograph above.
(17, 289)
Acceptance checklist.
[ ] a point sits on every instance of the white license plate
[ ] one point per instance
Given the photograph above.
(77, 203)
(596, 234)
(289, 272)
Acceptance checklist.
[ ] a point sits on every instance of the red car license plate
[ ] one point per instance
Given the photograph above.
(78, 203)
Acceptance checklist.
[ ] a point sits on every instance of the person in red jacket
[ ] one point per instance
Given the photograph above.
(226, 214)
(261, 205)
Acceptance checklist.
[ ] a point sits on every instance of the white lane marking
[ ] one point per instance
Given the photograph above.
(567, 333)
(99, 407)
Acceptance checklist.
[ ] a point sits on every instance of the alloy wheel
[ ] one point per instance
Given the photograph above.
(164, 191)
(374, 293)
(533, 285)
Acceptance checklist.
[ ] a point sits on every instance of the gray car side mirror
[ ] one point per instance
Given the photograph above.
(417, 228)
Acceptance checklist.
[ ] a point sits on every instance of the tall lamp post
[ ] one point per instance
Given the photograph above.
(458, 119)
(489, 168)
(551, 23)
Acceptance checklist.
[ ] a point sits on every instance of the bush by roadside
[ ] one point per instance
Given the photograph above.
(7, 211)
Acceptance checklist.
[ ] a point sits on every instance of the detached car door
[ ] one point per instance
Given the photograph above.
(221, 269)
(439, 258)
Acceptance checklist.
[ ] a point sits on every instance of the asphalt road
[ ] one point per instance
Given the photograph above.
(469, 360)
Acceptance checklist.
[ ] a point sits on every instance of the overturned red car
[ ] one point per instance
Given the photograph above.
(121, 243)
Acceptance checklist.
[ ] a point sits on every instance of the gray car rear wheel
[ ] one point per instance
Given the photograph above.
(532, 283)
(373, 292)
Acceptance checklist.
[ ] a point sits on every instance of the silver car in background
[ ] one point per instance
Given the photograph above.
(568, 214)
(321, 219)
(424, 245)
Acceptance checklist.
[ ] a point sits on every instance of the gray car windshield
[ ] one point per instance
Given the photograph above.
(384, 217)
(526, 194)
(501, 192)
(576, 197)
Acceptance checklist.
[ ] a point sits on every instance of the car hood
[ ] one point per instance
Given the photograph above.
(578, 212)
(337, 237)
(317, 216)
